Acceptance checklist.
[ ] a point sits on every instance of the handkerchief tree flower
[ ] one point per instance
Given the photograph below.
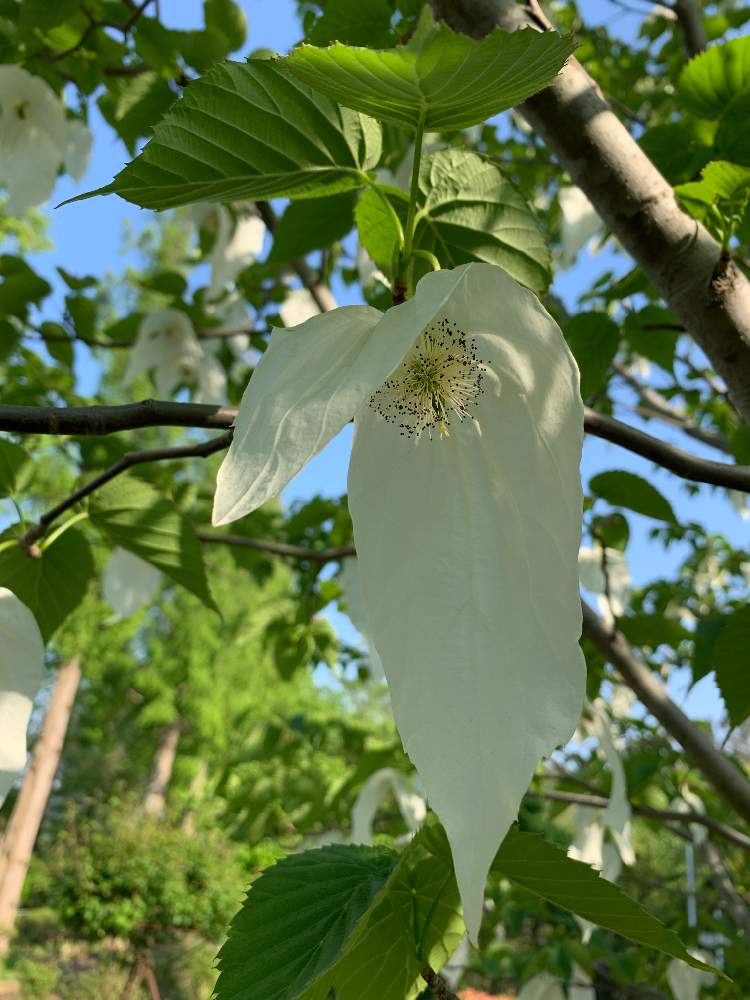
(467, 533)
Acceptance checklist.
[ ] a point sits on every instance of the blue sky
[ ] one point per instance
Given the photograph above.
(88, 238)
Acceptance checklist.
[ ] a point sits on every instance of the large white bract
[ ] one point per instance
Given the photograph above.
(36, 139)
(466, 502)
(21, 666)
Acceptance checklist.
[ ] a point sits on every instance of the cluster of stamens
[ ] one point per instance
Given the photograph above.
(437, 381)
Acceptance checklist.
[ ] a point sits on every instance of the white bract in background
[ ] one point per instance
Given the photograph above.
(21, 666)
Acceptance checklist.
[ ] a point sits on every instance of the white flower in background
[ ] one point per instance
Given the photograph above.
(685, 982)
(455, 967)
(354, 602)
(617, 580)
(465, 529)
(622, 700)
(236, 242)
(367, 270)
(378, 786)
(589, 847)
(167, 347)
(298, 306)
(711, 576)
(35, 139)
(617, 814)
(21, 667)
(77, 148)
(236, 247)
(128, 582)
(542, 987)
(740, 503)
(580, 985)
(579, 224)
(690, 802)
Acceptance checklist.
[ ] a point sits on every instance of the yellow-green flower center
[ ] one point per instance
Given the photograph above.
(437, 381)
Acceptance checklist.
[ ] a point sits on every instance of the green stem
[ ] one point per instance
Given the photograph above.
(429, 257)
(50, 539)
(414, 189)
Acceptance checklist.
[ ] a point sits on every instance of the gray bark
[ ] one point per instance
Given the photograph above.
(707, 292)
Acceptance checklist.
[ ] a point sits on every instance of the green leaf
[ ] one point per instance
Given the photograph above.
(380, 217)
(16, 468)
(52, 585)
(21, 286)
(229, 19)
(354, 23)
(626, 489)
(467, 210)
(134, 105)
(593, 338)
(58, 342)
(297, 920)
(675, 151)
(43, 15)
(710, 80)
(657, 345)
(135, 516)
(445, 80)
(707, 632)
(249, 131)
(652, 630)
(730, 660)
(312, 224)
(344, 919)
(470, 211)
(528, 860)
(733, 135)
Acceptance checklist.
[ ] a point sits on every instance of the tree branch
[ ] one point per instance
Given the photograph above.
(653, 405)
(675, 252)
(697, 744)
(127, 461)
(280, 548)
(665, 815)
(320, 292)
(699, 470)
(97, 420)
(691, 25)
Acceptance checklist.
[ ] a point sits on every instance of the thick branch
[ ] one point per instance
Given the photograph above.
(697, 744)
(699, 470)
(677, 254)
(127, 461)
(664, 815)
(97, 420)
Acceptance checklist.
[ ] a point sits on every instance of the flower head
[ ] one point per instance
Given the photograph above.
(466, 503)
(167, 345)
(35, 139)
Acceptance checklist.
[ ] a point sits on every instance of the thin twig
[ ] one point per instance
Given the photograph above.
(98, 420)
(320, 292)
(665, 815)
(280, 548)
(132, 458)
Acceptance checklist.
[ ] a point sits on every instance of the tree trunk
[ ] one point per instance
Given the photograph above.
(28, 812)
(161, 771)
(708, 293)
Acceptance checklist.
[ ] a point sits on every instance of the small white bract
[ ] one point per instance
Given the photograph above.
(36, 139)
(167, 346)
(128, 582)
(21, 666)
(467, 538)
